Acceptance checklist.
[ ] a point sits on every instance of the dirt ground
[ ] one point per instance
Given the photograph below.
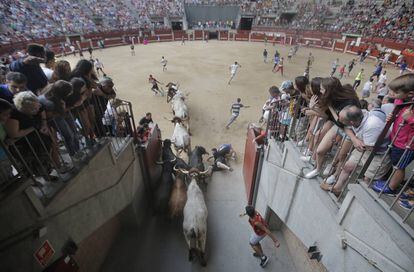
(202, 70)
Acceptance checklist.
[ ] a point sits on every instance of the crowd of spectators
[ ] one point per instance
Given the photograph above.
(338, 131)
(26, 20)
(53, 115)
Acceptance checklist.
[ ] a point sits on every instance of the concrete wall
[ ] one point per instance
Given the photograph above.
(108, 185)
(375, 240)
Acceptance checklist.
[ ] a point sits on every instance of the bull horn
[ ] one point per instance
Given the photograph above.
(205, 172)
(173, 160)
(159, 162)
(180, 170)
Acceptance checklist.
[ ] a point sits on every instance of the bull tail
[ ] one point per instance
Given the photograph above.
(193, 239)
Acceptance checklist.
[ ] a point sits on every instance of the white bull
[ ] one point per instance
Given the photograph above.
(181, 138)
(195, 222)
(180, 109)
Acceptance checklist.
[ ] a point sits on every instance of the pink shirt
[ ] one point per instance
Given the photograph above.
(406, 132)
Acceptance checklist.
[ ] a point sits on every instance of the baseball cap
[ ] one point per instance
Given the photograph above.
(287, 84)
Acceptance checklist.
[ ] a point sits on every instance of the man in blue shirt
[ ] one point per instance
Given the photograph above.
(30, 67)
(15, 83)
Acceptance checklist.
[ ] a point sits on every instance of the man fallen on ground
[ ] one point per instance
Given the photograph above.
(220, 156)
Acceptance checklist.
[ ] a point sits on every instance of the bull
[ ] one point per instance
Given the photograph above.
(178, 196)
(180, 137)
(195, 217)
(178, 106)
(164, 189)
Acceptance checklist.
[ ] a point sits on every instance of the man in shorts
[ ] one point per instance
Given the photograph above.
(99, 67)
(233, 70)
(220, 156)
(132, 50)
(260, 231)
(164, 64)
(235, 111)
(155, 87)
(367, 127)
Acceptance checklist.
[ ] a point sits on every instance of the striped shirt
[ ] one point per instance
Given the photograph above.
(235, 108)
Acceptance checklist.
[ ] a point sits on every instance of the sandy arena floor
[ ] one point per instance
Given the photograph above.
(202, 70)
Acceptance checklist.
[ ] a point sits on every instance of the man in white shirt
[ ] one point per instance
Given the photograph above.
(366, 90)
(381, 81)
(164, 63)
(99, 67)
(233, 70)
(367, 127)
(49, 64)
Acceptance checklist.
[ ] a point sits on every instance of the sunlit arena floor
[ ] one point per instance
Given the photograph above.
(202, 71)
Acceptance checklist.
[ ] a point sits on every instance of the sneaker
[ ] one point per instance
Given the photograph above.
(406, 204)
(380, 184)
(263, 261)
(408, 194)
(312, 174)
(327, 170)
(66, 167)
(306, 158)
(331, 180)
(301, 143)
(325, 186)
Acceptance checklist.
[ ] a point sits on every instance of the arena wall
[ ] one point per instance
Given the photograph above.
(325, 40)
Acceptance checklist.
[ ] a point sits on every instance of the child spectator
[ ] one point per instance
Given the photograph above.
(402, 150)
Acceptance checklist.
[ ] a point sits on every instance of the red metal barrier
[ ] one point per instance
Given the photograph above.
(250, 163)
(151, 155)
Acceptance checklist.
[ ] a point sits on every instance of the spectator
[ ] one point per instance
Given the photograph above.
(49, 65)
(387, 105)
(30, 67)
(15, 83)
(402, 150)
(27, 117)
(61, 71)
(367, 127)
(101, 95)
(5, 164)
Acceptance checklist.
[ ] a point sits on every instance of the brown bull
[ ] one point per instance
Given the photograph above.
(178, 198)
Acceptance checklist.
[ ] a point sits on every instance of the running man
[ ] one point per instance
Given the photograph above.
(164, 64)
(358, 79)
(155, 87)
(233, 70)
(235, 111)
(220, 156)
(132, 50)
(280, 66)
(260, 230)
(275, 61)
(99, 66)
(334, 66)
(182, 40)
(265, 56)
(351, 66)
(290, 54)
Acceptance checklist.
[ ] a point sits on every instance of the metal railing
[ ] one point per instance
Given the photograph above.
(286, 121)
(49, 159)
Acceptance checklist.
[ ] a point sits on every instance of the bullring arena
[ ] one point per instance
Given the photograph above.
(314, 172)
(202, 71)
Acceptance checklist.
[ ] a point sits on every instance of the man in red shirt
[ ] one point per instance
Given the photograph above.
(260, 230)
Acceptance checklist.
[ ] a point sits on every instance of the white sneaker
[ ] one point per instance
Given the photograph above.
(327, 170)
(331, 180)
(312, 174)
(301, 143)
(306, 158)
